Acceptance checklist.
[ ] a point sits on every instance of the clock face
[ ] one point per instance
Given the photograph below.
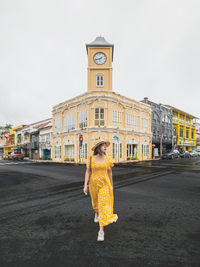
(99, 58)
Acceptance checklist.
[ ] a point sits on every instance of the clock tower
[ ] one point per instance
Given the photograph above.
(100, 58)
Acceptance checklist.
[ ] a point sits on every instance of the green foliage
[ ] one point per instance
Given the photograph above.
(6, 127)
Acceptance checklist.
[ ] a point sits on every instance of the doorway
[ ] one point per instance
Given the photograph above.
(117, 151)
(69, 153)
(131, 151)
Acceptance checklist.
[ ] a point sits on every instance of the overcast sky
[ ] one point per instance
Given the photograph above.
(43, 59)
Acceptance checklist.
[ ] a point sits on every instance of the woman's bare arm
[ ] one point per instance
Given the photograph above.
(87, 175)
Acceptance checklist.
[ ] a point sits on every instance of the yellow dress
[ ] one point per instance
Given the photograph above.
(101, 192)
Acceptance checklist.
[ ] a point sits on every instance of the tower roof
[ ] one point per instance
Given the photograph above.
(100, 42)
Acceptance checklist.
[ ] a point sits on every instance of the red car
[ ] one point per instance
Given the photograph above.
(16, 156)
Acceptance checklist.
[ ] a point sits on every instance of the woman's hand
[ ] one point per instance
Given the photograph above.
(85, 190)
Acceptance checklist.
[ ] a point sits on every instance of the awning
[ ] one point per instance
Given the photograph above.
(10, 146)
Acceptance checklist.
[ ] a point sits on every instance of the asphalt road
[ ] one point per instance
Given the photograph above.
(45, 220)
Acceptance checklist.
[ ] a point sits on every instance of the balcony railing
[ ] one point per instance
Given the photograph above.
(186, 123)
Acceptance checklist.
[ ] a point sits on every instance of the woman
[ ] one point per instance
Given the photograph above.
(100, 186)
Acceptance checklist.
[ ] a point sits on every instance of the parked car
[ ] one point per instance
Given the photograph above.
(198, 152)
(171, 154)
(185, 154)
(193, 153)
(16, 156)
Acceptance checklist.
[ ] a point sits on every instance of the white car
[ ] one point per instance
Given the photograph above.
(193, 153)
(198, 152)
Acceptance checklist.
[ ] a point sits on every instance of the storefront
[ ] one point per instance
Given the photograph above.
(70, 151)
(132, 147)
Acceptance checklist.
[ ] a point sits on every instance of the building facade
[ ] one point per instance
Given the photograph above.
(25, 140)
(198, 134)
(32, 135)
(10, 145)
(4, 133)
(101, 113)
(161, 126)
(18, 138)
(184, 130)
(45, 140)
(13, 141)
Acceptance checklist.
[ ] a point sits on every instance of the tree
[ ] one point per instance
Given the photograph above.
(8, 126)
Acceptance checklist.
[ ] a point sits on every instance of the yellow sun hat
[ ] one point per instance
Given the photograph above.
(100, 142)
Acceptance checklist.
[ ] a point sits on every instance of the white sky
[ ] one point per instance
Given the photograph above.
(43, 59)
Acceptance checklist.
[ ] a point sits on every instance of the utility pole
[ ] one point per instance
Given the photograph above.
(161, 138)
(80, 147)
(161, 130)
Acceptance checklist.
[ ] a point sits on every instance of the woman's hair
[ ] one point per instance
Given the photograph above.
(98, 150)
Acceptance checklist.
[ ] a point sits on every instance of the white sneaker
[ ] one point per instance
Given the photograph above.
(100, 236)
(96, 220)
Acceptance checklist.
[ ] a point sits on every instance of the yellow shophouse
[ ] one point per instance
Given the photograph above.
(184, 129)
(13, 139)
(101, 113)
(10, 142)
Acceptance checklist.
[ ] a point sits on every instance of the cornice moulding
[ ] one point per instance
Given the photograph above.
(104, 98)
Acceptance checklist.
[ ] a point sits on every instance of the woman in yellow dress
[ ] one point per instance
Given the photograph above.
(100, 186)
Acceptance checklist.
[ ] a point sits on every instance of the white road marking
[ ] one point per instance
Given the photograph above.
(15, 163)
